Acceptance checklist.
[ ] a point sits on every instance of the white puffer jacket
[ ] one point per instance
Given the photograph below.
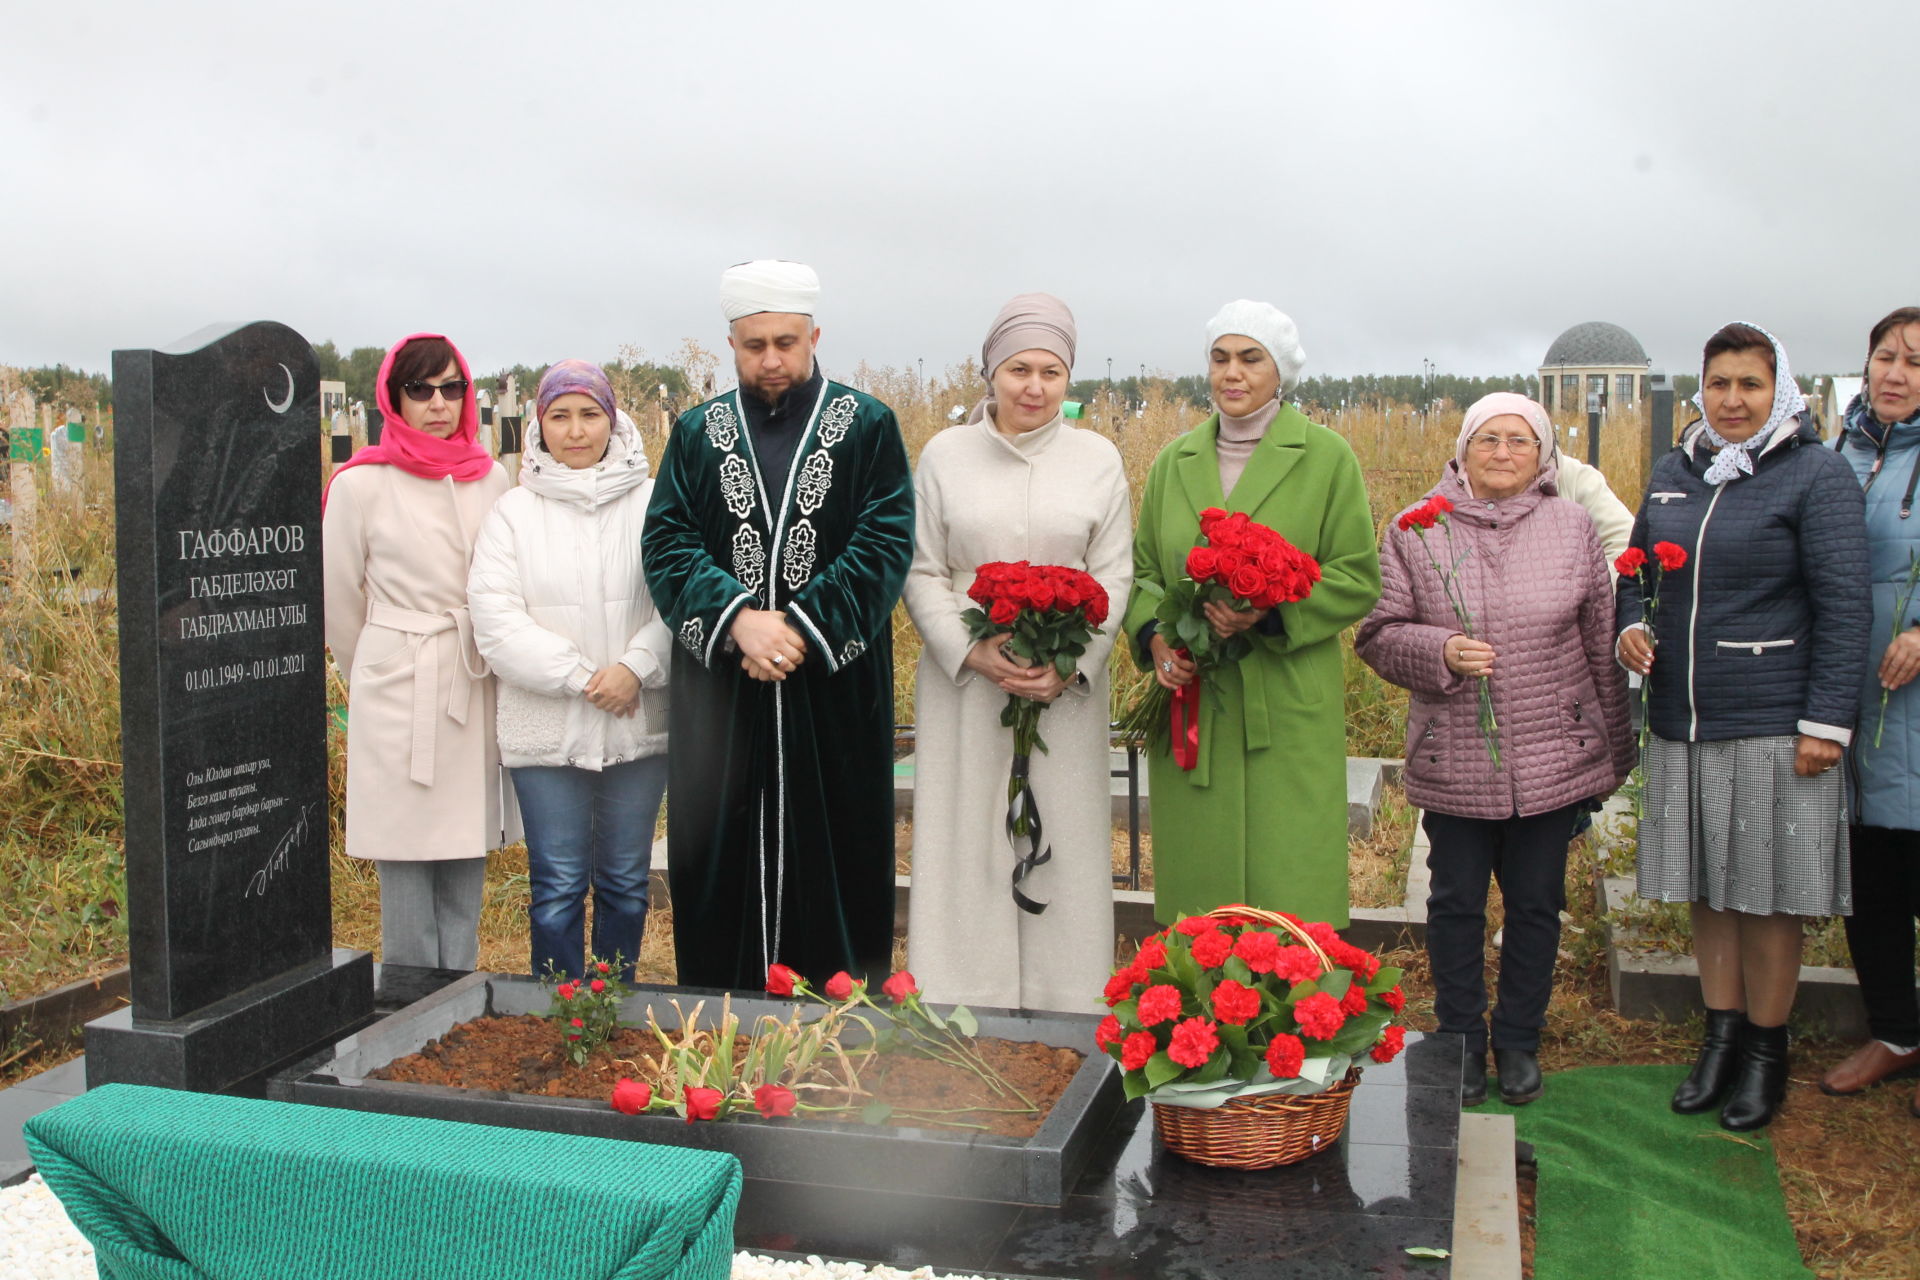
(556, 592)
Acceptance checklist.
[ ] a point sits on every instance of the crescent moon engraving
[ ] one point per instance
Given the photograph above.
(286, 403)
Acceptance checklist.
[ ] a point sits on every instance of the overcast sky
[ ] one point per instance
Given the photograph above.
(1456, 182)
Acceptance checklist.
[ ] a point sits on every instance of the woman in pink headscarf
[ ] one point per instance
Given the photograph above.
(424, 795)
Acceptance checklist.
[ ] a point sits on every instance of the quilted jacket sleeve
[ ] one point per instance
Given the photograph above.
(1833, 565)
(1399, 639)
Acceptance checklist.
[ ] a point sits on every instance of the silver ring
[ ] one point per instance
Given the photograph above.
(1167, 666)
(777, 659)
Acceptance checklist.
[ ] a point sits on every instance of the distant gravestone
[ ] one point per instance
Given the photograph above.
(223, 715)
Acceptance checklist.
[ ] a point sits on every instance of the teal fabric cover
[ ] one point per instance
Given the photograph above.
(190, 1186)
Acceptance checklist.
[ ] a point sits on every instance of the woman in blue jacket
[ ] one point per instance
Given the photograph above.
(1762, 639)
(1882, 441)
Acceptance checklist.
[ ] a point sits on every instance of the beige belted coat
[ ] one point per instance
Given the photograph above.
(423, 770)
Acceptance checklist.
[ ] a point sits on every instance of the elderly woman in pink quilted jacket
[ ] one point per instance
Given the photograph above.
(1496, 613)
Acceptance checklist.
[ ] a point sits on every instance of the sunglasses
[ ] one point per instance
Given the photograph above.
(453, 392)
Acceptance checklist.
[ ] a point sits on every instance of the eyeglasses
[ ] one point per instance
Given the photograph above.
(1515, 444)
(454, 391)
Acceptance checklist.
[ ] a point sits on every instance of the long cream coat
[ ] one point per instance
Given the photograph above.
(423, 775)
(1055, 496)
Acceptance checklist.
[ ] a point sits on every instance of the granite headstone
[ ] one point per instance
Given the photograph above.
(223, 709)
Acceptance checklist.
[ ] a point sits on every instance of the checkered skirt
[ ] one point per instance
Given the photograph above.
(1729, 824)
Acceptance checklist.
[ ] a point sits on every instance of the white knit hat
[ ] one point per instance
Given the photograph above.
(1267, 325)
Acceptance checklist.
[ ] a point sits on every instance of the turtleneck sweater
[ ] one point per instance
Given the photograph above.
(1236, 440)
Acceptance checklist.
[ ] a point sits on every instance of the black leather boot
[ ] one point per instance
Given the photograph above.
(1520, 1081)
(1473, 1078)
(1761, 1084)
(1714, 1069)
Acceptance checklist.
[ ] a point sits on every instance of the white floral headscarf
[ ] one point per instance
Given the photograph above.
(1734, 459)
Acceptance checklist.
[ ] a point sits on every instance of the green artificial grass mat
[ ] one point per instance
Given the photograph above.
(1630, 1190)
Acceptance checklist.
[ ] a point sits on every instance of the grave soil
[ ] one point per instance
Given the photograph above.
(523, 1054)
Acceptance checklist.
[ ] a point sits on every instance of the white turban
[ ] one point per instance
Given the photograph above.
(1270, 327)
(749, 288)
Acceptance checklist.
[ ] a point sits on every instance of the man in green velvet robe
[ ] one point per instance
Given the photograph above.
(776, 544)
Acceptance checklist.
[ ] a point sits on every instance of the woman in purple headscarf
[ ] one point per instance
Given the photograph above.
(561, 611)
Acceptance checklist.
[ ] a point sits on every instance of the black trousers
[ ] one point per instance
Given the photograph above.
(1528, 857)
(1886, 897)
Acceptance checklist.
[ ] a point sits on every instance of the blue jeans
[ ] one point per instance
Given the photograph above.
(587, 829)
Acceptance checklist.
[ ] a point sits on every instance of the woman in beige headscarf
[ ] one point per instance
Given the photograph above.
(1015, 482)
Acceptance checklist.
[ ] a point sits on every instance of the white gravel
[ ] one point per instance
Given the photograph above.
(39, 1242)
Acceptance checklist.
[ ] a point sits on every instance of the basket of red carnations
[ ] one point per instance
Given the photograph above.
(1241, 1027)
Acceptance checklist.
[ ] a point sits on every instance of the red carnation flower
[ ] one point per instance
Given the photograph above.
(631, 1097)
(1286, 1055)
(1440, 504)
(1159, 1004)
(1109, 1033)
(1121, 984)
(1152, 955)
(900, 986)
(1320, 1016)
(702, 1104)
(1235, 1004)
(1212, 948)
(1296, 964)
(1194, 925)
(781, 980)
(840, 986)
(1670, 555)
(1392, 1040)
(1260, 950)
(1323, 933)
(1423, 516)
(1136, 1049)
(772, 1100)
(1631, 562)
(1354, 1003)
(1202, 562)
(1394, 998)
(1193, 1042)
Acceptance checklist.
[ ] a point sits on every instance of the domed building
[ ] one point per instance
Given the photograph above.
(1595, 356)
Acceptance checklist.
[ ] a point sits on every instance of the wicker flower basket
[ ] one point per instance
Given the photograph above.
(1257, 1133)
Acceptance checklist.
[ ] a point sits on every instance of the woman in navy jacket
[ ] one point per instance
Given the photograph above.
(1761, 639)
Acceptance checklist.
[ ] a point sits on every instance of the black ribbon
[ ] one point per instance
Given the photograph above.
(1024, 811)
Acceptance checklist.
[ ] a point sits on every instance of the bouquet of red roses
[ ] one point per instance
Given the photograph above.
(1048, 613)
(1238, 562)
(1240, 1002)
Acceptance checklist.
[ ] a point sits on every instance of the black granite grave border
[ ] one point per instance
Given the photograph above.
(1040, 1170)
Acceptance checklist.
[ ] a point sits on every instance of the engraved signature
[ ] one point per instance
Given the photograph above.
(277, 860)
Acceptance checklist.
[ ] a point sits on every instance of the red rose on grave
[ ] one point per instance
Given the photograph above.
(596, 986)
(1247, 581)
(1286, 1055)
(1671, 556)
(840, 986)
(772, 1100)
(1121, 984)
(1109, 1033)
(1354, 1003)
(703, 1104)
(1631, 562)
(1160, 1004)
(1136, 1049)
(1235, 1004)
(631, 1097)
(1260, 950)
(900, 986)
(1003, 613)
(1212, 948)
(781, 980)
(1320, 1016)
(1392, 1041)
(1296, 964)
(1194, 925)
(1193, 1042)
(565, 990)
(1394, 998)
(1152, 954)
(1202, 563)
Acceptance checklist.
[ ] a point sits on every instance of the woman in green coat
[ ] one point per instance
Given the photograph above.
(1262, 816)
